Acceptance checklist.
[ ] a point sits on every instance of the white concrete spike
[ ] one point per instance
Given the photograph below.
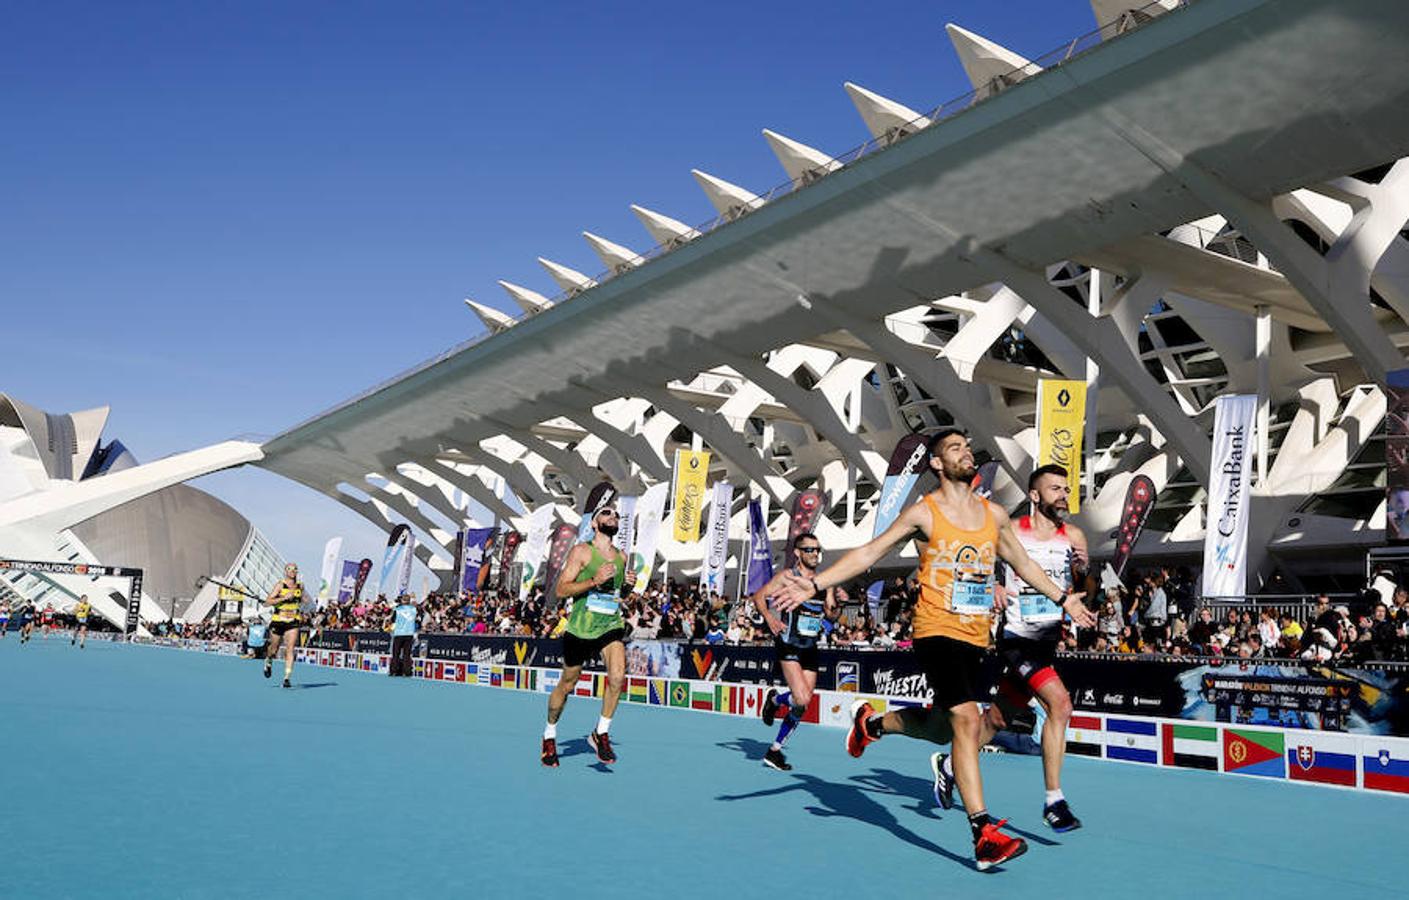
(528, 301)
(614, 255)
(567, 279)
(990, 67)
(729, 199)
(800, 161)
(884, 116)
(664, 229)
(492, 318)
(1114, 12)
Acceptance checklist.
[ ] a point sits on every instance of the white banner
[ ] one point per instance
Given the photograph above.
(1229, 500)
(717, 534)
(535, 547)
(650, 512)
(403, 583)
(626, 531)
(330, 562)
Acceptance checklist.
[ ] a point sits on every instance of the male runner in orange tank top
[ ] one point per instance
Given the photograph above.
(965, 536)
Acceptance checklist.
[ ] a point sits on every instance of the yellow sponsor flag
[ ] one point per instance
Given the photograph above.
(691, 468)
(1061, 422)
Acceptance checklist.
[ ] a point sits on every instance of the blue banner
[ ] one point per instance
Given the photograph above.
(907, 460)
(347, 583)
(396, 544)
(472, 553)
(760, 550)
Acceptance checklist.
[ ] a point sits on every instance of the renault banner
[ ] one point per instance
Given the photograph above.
(1061, 421)
(1226, 531)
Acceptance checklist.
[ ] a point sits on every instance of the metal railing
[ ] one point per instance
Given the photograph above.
(1130, 21)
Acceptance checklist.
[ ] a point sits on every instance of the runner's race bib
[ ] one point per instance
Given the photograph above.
(1038, 609)
(603, 604)
(809, 626)
(972, 598)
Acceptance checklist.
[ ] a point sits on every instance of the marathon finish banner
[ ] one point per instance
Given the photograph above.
(356, 641)
(907, 461)
(1139, 502)
(808, 507)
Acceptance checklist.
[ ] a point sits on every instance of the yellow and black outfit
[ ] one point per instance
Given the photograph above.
(80, 613)
(288, 608)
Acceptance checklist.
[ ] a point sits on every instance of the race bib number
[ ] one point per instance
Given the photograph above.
(972, 598)
(1038, 609)
(603, 604)
(809, 626)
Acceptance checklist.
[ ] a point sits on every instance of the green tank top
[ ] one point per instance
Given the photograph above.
(597, 611)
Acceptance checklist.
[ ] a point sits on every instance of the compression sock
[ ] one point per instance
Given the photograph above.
(603, 723)
(784, 730)
(550, 731)
(1054, 796)
(783, 699)
(977, 821)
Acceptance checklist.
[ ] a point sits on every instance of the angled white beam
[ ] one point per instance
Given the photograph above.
(493, 319)
(375, 512)
(571, 466)
(664, 229)
(567, 279)
(617, 257)
(1126, 14)
(528, 301)
(730, 199)
(990, 67)
(883, 116)
(801, 162)
(472, 486)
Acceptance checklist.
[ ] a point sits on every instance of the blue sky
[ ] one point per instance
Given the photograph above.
(220, 219)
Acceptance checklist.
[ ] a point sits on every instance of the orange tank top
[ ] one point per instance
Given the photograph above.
(956, 579)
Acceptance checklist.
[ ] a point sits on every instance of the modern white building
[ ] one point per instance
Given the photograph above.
(66, 496)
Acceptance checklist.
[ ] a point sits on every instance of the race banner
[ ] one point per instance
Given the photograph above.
(364, 568)
(691, 471)
(626, 525)
(1226, 521)
(564, 536)
(808, 507)
(330, 564)
(391, 559)
(1139, 501)
(535, 549)
(984, 479)
(403, 581)
(347, 584)
(1397, 457)
(909, 458)
(507, 552)
(760, 550)
(1061, 422)
(717, 550)
(602, 494)
(650, 515)
(473, 544)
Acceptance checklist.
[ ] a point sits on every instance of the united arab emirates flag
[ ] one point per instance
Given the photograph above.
(1191, 746)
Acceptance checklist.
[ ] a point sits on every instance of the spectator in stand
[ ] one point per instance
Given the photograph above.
(1157, 612)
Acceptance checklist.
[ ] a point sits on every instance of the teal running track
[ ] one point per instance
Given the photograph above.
(150, 772)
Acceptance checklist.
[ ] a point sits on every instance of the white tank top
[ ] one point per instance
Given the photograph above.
(1031, 614)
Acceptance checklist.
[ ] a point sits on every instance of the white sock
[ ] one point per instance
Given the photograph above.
(1054, 796)
(603, 724)
(550, 731)
(947, 766)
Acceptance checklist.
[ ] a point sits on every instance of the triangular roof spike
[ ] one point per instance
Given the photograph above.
(664, 229)
(884, 116)
(492, 318)
(726, 197)
(988, 65)
(614, 255)
(800, 161)
(567, 279)
(528, 301)
(1115, 13)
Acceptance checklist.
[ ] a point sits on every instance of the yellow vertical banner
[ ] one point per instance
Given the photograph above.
(691, 469)
(1061, 422)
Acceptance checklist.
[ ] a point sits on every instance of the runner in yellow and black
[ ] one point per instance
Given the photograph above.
(594, 581)
(81, 611)
(287, 598)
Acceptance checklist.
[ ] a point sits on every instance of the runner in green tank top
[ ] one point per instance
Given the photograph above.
(594, 580)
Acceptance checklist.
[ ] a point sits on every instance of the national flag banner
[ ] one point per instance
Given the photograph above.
(728, 698)
(528, 679)
(1247, 752)
(658, 692)
(1132, 740)
(702, 695)
(1386, 765)
(384, 663)
(1321, 757)
(1191, 746)
(1061, 424)
(366, 664)
(813, 713)
(418, 668)
(434, 669)
(691, 472)
(836, 709)
(511, 678)
(1086, 735)
(550, 680)
(680, 694)
(460, 673)
(753, 700)
(471, 673)
(496, 677)
(636, 691)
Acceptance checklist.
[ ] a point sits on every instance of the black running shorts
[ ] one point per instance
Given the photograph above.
(807, 657)
(578, 651)
(957, 671)
(280, 627)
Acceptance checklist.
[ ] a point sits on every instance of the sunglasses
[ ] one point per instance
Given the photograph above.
(809, 549)
(609, 513)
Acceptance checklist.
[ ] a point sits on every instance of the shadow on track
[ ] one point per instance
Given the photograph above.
(579, 747)
(315, 684)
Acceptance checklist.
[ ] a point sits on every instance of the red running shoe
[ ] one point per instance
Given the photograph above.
(857, 738)
(994, 847)
(603, 745)
(550, 753)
